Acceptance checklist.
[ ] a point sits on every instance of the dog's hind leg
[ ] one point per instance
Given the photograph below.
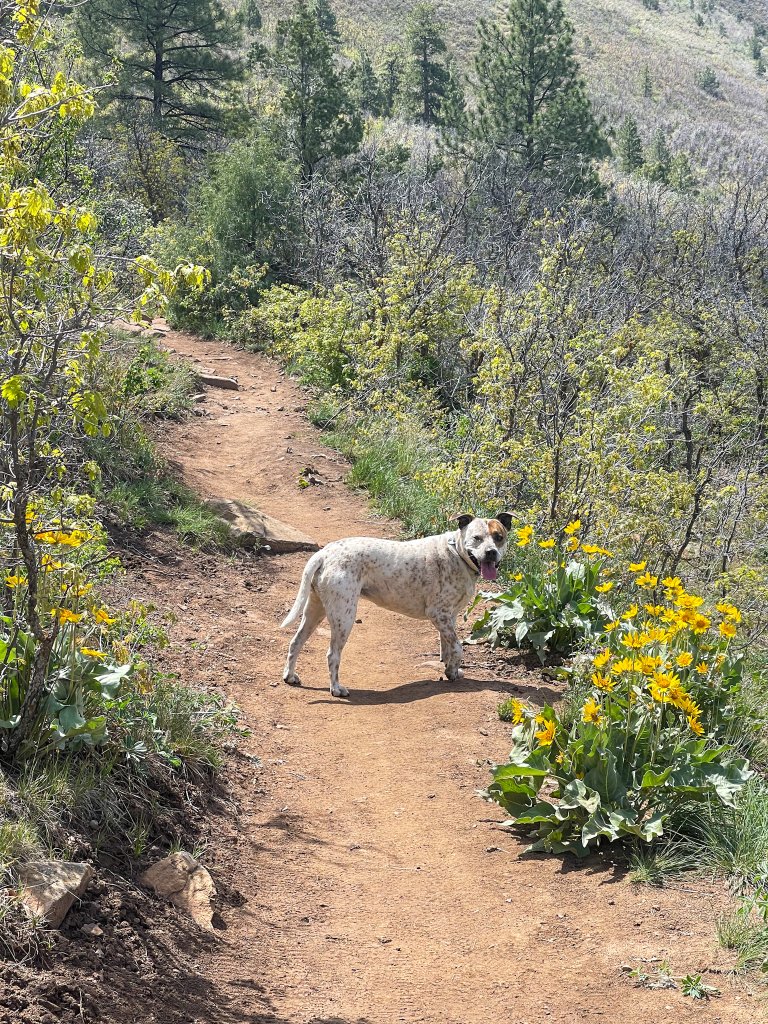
(313, 615)
(341, 620)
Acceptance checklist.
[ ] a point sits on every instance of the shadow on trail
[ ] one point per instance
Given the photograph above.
(424, 689)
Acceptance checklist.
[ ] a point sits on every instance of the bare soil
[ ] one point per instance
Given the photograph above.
(362, 878)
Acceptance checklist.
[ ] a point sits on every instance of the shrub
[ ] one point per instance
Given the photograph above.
(556, 601)
(650, 735)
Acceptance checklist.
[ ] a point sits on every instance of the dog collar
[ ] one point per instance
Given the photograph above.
(461, 552)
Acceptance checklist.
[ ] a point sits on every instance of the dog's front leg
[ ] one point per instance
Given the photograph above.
(451, 652)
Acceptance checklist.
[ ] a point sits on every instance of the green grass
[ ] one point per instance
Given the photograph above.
(747, 936)
(162, 501)
(387, 460)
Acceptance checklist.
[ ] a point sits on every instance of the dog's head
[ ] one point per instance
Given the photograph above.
(485, 541)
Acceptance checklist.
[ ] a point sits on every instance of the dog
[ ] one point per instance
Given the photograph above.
(430, 578)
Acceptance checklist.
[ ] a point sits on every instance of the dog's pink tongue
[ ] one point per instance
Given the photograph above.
(488, 571)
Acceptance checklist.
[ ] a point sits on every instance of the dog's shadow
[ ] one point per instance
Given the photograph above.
(423, 689)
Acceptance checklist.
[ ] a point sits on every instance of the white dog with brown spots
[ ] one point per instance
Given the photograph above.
(430, 578)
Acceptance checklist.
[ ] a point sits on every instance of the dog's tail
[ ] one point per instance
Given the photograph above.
(303, 595)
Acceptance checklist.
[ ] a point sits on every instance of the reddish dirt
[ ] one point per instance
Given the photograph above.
(377, 886)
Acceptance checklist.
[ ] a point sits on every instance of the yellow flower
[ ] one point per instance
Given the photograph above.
(546, 735)
(647, 581)
(700, 623)
(517, 714)
(591, 549)
(654, 610)
(603, 588)
(624, 665)
(524, 535)
(15, 581)
(631, 612)
(672, 582)
(591, 712)
(602, 658)
(684, 659)
(50, 564)
(72, 539)
(727, 629)
(90, 653)
(689, 601)
(517, 577)
(602, 682)
(572, 544)
(633, 640)
(64, 615)
(729, 610)
(605, 552)
(649, 663)
(637, 566)
(695, 726)
(78, 591)
(102, 615)
(549, 543)
(610, 626)
(573, 527)
(560, 758)
(702, 668)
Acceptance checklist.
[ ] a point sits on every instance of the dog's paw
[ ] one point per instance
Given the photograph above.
(454, 675)
(340, 691)
(291, 679)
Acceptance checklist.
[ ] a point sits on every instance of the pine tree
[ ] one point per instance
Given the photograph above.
(681, 176)
(391, 67)
(532, 101)
(646, 84)
(173, 57)
(365, 88)
(318, 116)
(629, 146)
(426, 75)
(658, 161)
(327, 19)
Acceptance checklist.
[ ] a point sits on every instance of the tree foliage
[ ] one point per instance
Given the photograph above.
(174, 59)
(532, 101)
(318, 117)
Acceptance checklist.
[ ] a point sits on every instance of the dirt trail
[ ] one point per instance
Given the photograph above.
(376, 885)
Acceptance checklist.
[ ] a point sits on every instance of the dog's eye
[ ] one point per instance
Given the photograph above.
(498, 538)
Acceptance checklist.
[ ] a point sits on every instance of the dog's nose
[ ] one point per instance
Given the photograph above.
(491, 556)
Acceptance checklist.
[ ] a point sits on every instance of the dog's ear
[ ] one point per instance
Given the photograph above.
(463, 520)
(505, 519)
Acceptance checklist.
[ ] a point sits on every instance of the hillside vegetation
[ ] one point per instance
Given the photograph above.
(615, 41)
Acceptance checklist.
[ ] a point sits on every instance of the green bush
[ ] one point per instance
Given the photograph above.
(556, 601)
(650, 735)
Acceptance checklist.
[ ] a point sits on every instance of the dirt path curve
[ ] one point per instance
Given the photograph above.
(377, 887)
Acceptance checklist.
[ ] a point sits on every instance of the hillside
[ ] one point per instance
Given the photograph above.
(615, 40)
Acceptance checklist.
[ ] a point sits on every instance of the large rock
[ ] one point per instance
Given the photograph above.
(50, 887)
(213, 380)
(251, 528)
(186, 883)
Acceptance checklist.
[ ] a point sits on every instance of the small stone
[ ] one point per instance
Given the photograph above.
(50, 887)
(92, 930)
(493, 849)
(483, 732)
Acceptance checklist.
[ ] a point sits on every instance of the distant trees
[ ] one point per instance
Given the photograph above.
(659, 158)
(629, 148)
(706, 79)
(174, 58)
(426, 80)
(531, 99)
(318, 116)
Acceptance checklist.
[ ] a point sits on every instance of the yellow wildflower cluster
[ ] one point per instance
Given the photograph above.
(670, 652)
(70, 538)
